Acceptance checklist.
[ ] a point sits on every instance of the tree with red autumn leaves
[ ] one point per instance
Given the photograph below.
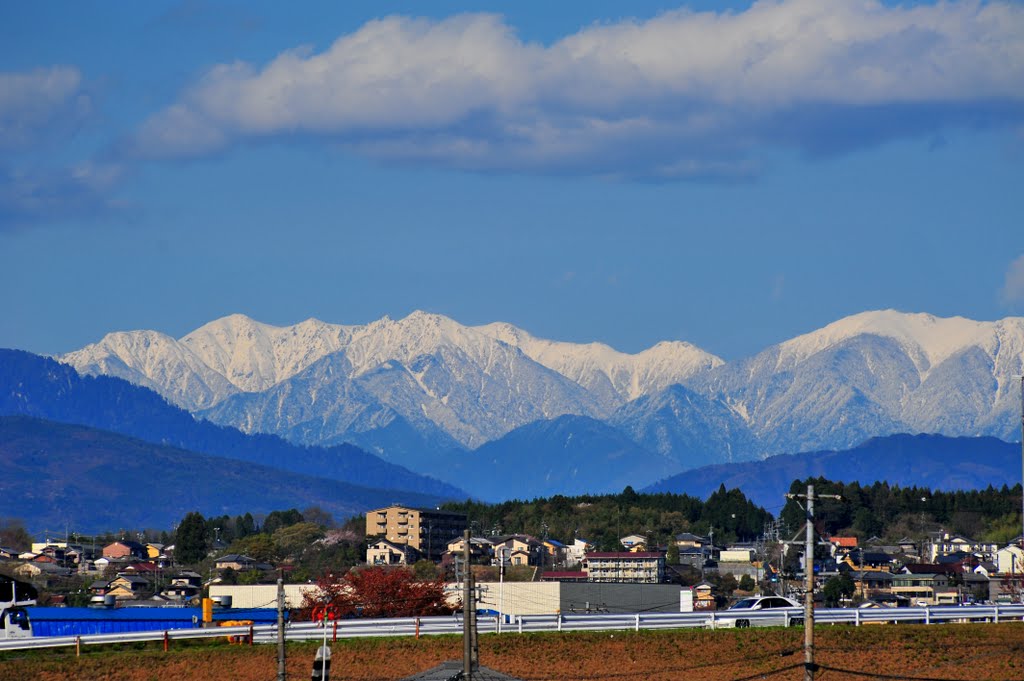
(376, 592)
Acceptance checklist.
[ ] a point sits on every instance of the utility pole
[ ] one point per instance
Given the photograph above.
(281, 674)
(1022, 459)
(468, 611)
(809, 666)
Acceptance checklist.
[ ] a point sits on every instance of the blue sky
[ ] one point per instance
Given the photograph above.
(727, 173)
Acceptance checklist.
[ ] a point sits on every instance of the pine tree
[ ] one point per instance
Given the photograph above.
(190, 540)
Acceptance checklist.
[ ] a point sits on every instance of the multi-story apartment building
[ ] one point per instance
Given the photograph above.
(426, 530)
(645, 567)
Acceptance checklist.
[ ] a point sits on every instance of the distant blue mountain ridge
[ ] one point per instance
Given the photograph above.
(935, 461)
(58, 475)
(39, 387)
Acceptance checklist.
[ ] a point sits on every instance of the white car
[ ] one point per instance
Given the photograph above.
(757, 604)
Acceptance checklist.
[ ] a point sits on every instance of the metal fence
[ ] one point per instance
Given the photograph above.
(431, 626)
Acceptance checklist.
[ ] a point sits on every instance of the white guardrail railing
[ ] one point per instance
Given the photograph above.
(428, 626)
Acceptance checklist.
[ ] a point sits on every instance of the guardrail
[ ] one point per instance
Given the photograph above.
(432, 626)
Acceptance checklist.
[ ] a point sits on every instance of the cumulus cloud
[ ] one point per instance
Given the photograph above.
(1013, 287)
(40, 104)
(686, 94)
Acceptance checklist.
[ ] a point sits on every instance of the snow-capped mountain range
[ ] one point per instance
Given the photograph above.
(420, 389)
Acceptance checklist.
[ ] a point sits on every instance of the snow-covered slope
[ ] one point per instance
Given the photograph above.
(691, 429)
(613, 377)
(156, 361)
(878, 373)
(417, 387)
(428, 369)
(926, 339)
(254, 356)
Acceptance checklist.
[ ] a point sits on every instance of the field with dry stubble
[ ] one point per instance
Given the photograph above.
(993, 652)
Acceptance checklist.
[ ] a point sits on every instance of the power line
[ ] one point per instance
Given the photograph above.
(892, 677)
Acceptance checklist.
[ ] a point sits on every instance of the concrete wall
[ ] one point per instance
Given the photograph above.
(548, 598)
(261, 595)
(520, 598)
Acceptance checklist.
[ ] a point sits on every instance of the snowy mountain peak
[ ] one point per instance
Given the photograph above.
(617, 377)
(154, 360)
(927, 339)
(253, 356)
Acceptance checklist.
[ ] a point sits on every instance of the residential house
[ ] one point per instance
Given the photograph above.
(645, 567)
(703, 597)
(575, 552)
(181, 592)
(872, 583)
(8, 553)
(686, 540)
(41, 573)
(481, 550)
(739, 561)
(125, 587)
(987, 568)
(125, 548)
(240, 563)
(908, 546)
(187, 577)
(842, 545)
(1009, 560)
(926, 584)
(145, 568)
(518, 549)
(943, 544)
(555, 551)
(384, 552)
(633, 542)
(861, 559)
(426, 530)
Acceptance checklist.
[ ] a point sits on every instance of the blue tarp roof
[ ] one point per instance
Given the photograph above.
(79, 621)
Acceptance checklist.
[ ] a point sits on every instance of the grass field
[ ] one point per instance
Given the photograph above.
(991, 652)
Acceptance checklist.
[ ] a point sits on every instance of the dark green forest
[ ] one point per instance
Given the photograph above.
(887, 511)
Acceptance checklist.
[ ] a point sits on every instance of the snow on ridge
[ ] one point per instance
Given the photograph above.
(589, 364)
(253, 355)
(154, 360)
(928, 340)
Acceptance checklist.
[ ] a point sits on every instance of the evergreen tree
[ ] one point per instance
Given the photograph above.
(190, 543)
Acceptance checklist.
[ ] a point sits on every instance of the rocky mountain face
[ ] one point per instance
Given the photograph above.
(422, 389)
(878, 373)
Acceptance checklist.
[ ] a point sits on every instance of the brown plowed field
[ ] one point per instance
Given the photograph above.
(991, 652)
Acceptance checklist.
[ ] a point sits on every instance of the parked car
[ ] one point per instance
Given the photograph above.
(779, 604)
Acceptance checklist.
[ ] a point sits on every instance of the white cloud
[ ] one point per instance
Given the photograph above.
(1013, 287)
(685, 94)
(34, 103)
